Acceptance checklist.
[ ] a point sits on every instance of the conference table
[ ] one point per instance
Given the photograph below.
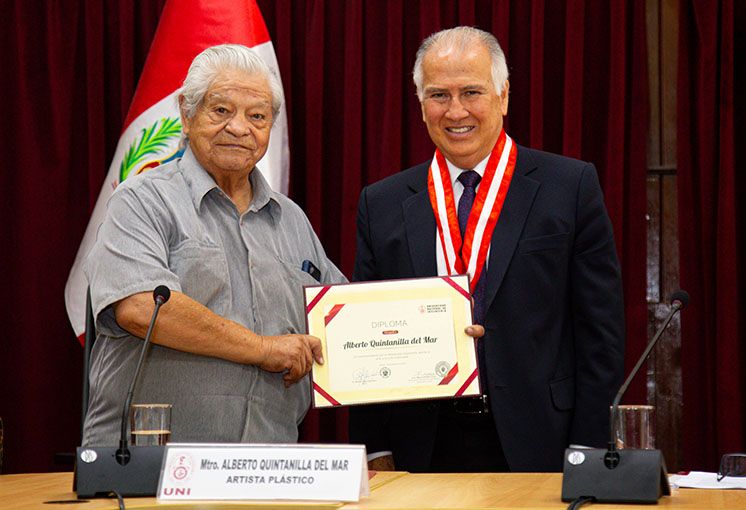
(389, 490)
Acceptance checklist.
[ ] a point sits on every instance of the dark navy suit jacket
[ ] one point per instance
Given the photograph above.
(554, 342)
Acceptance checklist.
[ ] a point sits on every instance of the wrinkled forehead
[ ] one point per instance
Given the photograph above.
(235, 83)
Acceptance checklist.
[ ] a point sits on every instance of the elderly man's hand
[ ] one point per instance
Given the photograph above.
(292, 354)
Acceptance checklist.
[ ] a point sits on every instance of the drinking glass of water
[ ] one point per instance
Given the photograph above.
(635, 427)
(150, 424)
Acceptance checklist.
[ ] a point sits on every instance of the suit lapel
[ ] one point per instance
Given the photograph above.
(419, 221)
(508, 230)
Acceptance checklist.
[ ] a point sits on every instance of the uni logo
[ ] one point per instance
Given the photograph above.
(181, 469)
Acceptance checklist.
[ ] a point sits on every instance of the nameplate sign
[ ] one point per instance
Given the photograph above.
(308, 472)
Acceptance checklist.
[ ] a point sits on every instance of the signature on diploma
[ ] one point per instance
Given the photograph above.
(363, 376)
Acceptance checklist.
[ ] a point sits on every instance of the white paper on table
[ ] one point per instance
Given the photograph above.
(704, 480)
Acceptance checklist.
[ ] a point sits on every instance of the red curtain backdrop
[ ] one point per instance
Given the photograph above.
(69, 70)
(713, 353)
(578, 87)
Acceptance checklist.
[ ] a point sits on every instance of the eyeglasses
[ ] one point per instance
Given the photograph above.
(732, 464)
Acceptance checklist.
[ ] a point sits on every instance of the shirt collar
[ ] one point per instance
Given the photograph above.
(197, 179)
(262, 193)
(200, 183)
(455, 171)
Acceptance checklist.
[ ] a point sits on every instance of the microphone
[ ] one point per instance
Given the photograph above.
(620, 476)
(161, 294)
(679, 300)
(128, 470)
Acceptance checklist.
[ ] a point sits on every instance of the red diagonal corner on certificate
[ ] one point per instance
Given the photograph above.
(466, 384)
(317, 298)
(456, 286)
(334, 311)
(450, 375)
(324, 394)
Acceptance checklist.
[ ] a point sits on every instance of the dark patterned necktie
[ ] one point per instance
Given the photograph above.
(470, 179)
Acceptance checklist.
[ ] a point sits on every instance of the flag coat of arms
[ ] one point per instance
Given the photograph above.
(152, 129)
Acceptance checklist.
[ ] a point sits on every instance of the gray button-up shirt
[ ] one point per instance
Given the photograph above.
(174, 226)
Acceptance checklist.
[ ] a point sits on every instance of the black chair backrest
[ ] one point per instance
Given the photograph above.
(90, 338)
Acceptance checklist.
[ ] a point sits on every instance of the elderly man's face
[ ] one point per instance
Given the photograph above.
(462, 110)
(229, 132)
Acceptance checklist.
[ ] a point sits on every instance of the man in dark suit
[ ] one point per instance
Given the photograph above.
(532, 230)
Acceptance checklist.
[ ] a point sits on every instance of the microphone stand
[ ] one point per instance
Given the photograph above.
(677, 303)
(123, 454)
(126, 470)
(620, 476)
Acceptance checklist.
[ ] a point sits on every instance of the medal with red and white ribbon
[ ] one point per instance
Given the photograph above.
(469, 254)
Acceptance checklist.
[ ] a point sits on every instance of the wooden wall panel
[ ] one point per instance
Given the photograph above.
(664, 367)
(652, 25)
(669, 33)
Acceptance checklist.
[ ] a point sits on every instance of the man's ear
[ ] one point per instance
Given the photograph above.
(182, 114)
(504, 97)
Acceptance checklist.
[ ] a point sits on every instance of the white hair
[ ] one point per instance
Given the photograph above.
(208, 64)
(463, 38)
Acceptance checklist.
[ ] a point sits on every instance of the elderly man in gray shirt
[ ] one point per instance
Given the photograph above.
(228, 351)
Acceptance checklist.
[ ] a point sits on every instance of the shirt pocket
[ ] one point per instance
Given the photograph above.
(203, 273)
(280, 297)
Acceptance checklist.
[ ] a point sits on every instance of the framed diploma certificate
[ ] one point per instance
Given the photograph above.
(392, 340)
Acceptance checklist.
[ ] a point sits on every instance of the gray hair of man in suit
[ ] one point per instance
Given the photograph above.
(462, 38)
(212, 61)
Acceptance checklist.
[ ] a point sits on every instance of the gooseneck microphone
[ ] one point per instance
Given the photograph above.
(127, 470)
(161, 294)
(679, 300)
(620, 476)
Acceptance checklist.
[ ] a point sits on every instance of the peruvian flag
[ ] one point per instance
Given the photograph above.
(152, 129)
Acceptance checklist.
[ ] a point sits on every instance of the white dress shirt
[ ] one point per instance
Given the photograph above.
(458, 190)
